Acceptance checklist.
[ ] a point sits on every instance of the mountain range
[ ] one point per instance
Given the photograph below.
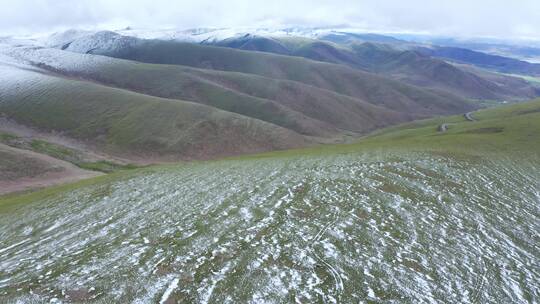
(170, 95)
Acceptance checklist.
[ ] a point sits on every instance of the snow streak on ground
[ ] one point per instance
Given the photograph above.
(351, 228)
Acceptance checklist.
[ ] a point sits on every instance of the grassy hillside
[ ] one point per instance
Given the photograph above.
(129, 123)
(302, 108)
(392, 218)
(338, 78)
(505, 131)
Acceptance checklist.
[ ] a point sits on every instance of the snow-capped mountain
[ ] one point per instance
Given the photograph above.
(59, 39)
(212, 35)
(195, 35)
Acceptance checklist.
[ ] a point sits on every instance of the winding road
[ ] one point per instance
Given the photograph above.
(468, 116)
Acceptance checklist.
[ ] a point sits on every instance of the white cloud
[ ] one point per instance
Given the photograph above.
(500, 18)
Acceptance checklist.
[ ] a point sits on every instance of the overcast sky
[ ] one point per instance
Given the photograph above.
(496, 18)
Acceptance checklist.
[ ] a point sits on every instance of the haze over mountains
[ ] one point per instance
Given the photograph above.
(206, 93)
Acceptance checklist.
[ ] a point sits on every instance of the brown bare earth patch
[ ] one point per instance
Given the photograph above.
(88, 151)
(22, 170)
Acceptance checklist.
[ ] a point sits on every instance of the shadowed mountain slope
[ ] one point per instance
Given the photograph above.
(494, 62)
(419, 69)
(415, 67)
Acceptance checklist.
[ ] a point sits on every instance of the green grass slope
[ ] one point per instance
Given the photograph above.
(124, 122)
(510, 131)
(507, 131)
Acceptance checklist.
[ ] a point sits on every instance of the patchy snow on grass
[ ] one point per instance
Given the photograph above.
(347, 228)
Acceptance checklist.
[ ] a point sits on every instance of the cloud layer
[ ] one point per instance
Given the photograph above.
(498, 18)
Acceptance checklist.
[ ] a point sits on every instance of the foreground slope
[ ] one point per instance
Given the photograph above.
(408, 215)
